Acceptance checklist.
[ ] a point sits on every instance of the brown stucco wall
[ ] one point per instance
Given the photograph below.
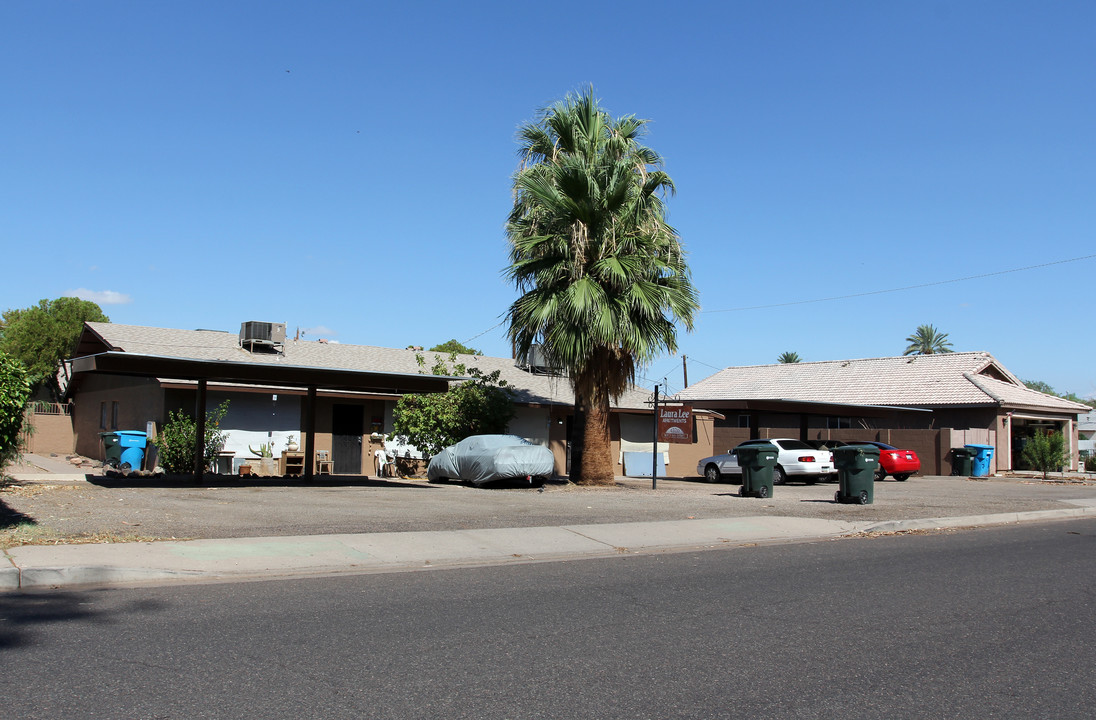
(139, 401)
(50, 434)
(725, 438)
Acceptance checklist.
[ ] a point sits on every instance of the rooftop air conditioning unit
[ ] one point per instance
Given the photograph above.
(262, 335)
(537, 361)
(537, 358)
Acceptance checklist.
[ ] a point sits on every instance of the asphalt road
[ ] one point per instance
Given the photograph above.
(980, 623)
(154, 508)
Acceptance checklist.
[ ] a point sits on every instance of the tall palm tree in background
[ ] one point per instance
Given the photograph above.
(927, 340)
(788, 357)
(602, 276)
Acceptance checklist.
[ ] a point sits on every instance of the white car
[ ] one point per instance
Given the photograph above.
(795, 459)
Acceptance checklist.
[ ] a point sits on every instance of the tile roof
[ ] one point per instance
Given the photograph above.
(946, 379)
(530, 388)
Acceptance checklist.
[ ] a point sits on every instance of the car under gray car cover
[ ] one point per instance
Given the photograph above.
(481, 459)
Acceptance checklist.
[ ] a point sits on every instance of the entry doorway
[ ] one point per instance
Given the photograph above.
(347, 423)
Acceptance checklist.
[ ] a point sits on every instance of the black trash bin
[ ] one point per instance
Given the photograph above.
(856, 468)
(961, 461)
(112, 448)
(757, 463)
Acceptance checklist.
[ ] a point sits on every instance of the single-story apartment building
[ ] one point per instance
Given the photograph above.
(928, 403)
(131, 377)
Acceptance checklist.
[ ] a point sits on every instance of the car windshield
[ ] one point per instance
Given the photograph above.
(795, 445)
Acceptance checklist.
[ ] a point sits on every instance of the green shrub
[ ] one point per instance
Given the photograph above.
(484, 404)
(1046, 452)
(175, 443)
(14, 393)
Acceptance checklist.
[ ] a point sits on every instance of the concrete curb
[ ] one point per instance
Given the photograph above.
(978, 520)
(115, 564)
(48, 478)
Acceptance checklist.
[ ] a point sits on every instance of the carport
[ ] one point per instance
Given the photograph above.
(311, 379)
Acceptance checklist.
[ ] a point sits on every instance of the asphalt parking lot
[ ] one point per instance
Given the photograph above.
(227, 507)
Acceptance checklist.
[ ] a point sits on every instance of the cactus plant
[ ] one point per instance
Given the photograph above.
(266, 450)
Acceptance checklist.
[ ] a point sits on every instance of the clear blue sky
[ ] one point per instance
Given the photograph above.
(344, 167)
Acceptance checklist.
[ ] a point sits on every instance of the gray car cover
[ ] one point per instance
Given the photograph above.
(480, 459)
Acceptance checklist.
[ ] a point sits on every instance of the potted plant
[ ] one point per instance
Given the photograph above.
(291, 443)
(265, 464)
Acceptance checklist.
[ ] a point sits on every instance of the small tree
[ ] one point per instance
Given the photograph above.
(14, 393)
(44, 335)
(1044, 387)
(788, 357)
(1046, 452)
(431, 422)
(175, 443)
(452, 346)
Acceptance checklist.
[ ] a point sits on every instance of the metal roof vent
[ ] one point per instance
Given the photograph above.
(258, 336)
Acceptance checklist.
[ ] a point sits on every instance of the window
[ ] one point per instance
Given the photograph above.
(836, 423)
(743, 421)
(102, 416)
(114, 415)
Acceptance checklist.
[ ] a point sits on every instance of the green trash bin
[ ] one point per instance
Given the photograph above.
(856, 468)
(757, 463)
(112, 448)
(962, 461)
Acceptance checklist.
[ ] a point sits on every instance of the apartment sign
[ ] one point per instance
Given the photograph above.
(675, 424)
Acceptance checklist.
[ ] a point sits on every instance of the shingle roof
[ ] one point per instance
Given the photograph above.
(946, 379)
(531, 388)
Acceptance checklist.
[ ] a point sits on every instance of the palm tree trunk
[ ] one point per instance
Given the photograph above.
(596, 466)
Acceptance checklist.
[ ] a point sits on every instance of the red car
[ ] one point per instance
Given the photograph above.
(895, 461)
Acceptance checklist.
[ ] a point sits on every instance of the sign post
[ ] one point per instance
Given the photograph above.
(654, 452)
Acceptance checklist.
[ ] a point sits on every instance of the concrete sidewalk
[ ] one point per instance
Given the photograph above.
(53, 566)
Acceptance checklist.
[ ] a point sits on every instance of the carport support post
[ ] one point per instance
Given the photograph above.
(310, 433)
(199, 434)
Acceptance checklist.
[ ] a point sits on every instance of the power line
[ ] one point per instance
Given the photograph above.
(483, 333)
(713, 367)
(900, 289)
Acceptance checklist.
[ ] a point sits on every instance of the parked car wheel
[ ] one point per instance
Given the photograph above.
(902, 477)
(880, 474)
(779, 476)
(712, 474)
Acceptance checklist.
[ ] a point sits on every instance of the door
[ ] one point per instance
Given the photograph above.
(347, 422)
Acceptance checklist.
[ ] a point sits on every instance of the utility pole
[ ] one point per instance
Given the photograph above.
(684, 371)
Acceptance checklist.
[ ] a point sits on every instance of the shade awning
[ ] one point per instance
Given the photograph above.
(123, 363)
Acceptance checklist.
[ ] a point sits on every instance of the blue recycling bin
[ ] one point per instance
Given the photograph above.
(132, 443)
(979, 463)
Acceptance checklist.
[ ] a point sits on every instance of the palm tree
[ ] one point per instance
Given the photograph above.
(788, 357)
(927, 340)
(602, 276)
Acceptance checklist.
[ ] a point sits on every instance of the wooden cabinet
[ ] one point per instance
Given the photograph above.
(292, 463)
